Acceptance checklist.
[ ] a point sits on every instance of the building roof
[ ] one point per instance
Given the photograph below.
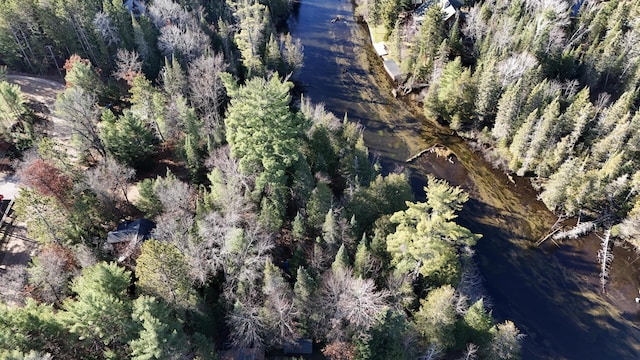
(135, 7)
(457, 4)
(448, 7)
(301, 347)
(381, 49)
(139, 229)
(392, 69)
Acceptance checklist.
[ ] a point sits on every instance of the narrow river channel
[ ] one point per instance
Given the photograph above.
(549, 293)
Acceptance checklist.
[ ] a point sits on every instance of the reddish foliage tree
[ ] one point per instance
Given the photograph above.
(71, 61)
(80, 73)
(50, 273)
(68, 65)
(63, 253)
(339, 351)
(47, 179)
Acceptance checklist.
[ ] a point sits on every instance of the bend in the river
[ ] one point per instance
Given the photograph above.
(564, 316)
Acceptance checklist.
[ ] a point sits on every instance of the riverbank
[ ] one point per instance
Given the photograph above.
(623, 286)
(546, 298)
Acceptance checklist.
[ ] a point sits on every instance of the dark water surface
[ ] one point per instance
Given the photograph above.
(552, 295)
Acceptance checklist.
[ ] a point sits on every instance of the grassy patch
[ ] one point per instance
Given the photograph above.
(377, 32)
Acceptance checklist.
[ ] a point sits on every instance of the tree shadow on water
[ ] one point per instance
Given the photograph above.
(561, 317)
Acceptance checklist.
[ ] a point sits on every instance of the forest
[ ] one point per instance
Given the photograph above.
(547, 90)
(273, 223)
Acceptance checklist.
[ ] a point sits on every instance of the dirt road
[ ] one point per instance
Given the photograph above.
(44, 92)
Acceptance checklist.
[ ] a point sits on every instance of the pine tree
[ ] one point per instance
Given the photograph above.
(33, 327)
(429, 39)
(341, 261)
(476, 325)
(173, 79)
(508, 111)
(363, 260)
(100, 314)
(319, 205)
(162, 271)
(542, 140)
(273, 60)
(330, 231)
(487, 93)
(298, 229)
(161, 335)
(263, 134)
(253, 21)
(426, 240)
(81, 74)
(505, 343)
(436, 319)
(126, 138)
(388, 338)
(522, 140)
(578, 115)
(303, 297)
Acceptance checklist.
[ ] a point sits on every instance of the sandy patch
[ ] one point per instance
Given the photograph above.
(9, 187)
(44, 92)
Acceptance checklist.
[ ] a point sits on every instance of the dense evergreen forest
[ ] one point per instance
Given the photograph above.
(272, 222)
(546, 89)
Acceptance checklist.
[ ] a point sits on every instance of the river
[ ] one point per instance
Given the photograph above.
(552, 293)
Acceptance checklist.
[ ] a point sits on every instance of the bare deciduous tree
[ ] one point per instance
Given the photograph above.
(347, 304)
(128, 65)
(279, 312)
(84, 256)
(514, 67)
(105, 28)
(187, 43)
(470, 285)
(292, 52)
(471, 352)
(180, 33)
(229, 185)
(165, 12)
(206, 91)
(178, 216)
(110, 179)
(13, 280)
(432, 353)
(47, 179)
(246, 326)
(505, 343)
(174, 229)
(50, 273)
(319, 116)
(81, 114)
(175, 195)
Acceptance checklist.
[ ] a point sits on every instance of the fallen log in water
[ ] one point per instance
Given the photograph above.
(437, 149)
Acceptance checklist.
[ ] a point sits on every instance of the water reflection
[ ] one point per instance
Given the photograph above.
(550, 294)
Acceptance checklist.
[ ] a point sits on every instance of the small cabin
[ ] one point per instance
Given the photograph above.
(300, 347)
(380, 48)
(449, 9)
(393, 69)
(135, 7)
(139, 229)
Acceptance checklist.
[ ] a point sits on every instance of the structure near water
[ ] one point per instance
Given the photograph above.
(391, 67)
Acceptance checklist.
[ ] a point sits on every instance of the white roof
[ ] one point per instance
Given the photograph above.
(380, 48)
